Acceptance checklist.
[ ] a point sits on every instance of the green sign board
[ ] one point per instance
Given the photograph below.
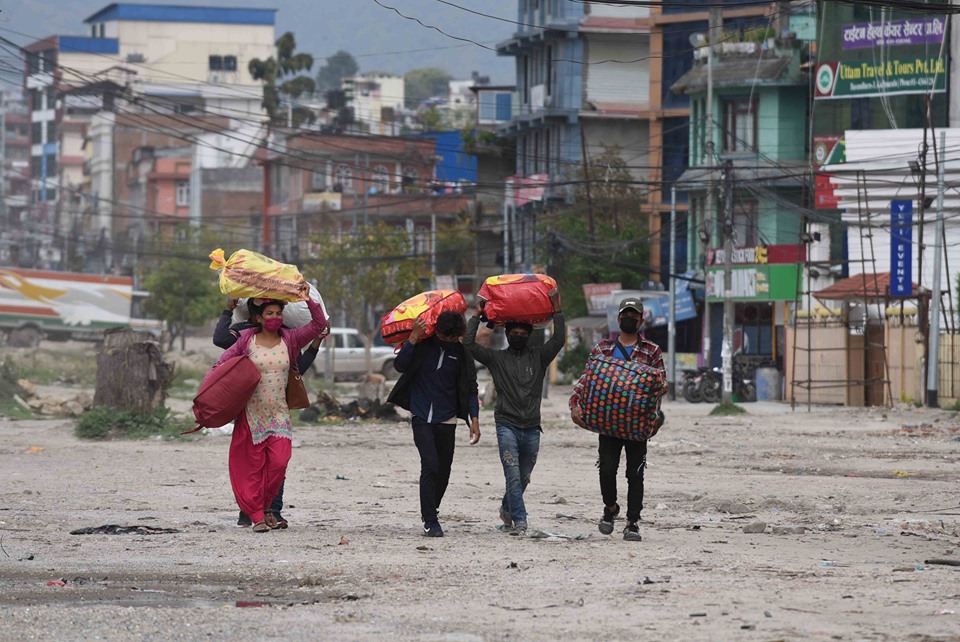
(756, 283)
(895, 75)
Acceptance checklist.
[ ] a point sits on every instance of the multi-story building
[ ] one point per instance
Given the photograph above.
(318, 183)
(182, 61)
(673, 26)
(758, 126)
(377, 102)
(15, 173)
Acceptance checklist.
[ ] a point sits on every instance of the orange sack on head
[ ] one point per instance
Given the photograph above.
(248, 274)
(395, 327)
(517, 297)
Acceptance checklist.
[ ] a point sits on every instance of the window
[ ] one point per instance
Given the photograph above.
(36, 135)
(410, 176)
(745, 224)
(318, 180)
(344, 177)
(740, 125)
(183, 193)
(51, 131)
(229, 63)
(216, 63)
(381, 178)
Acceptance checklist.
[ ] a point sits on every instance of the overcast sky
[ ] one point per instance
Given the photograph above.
(368, 31)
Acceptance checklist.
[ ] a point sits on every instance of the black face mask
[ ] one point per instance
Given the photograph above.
(629, 325)
(517, 342)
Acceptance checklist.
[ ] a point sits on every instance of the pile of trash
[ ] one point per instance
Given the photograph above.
(64, 404)
(326, 407)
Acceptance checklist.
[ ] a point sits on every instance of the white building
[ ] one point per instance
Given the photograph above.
(377, 101)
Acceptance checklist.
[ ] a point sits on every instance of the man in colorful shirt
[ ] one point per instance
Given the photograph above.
(629, 346)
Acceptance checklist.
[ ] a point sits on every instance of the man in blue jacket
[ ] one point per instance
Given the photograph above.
(438, 385)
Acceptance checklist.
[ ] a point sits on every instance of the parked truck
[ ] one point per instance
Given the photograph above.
(59, 306)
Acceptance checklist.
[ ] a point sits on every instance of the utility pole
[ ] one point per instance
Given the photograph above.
(586, 175)
(672, 323)
(726, 352)
(710, 210)
(933, 354)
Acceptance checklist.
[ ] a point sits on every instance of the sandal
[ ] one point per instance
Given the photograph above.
(270, 519)
(261, 527)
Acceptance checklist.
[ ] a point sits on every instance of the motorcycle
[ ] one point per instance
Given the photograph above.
(690, 386)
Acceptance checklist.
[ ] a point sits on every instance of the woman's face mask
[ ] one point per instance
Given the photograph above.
(273, 324)
(629, 325)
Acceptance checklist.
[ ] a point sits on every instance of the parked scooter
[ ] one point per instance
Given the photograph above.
(690, 386)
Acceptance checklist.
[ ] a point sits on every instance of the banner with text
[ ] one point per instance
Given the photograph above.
(901, 248)
(896, 75)
(928, 31)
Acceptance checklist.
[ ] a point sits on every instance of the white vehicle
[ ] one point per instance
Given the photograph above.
(348, 354)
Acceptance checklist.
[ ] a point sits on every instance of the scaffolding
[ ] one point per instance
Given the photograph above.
(840, 352)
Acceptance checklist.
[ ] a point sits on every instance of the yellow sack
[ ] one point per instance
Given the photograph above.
(248, 274)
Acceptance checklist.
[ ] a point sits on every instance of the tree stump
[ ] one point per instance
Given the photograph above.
(131, 372)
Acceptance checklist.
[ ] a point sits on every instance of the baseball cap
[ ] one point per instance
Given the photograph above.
(631, 303)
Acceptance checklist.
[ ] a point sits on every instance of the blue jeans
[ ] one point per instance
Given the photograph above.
(518, 454)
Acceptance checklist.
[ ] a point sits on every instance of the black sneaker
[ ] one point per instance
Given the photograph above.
(519, 529)
(432, 529)
(505, 518)
(244, 520)
(632, 532)
(606, 522)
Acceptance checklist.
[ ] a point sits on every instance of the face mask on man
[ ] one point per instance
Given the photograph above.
(629, 325)
(273, 324)
(517, 341)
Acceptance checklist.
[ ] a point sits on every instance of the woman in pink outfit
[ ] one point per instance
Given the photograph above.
(260, 449)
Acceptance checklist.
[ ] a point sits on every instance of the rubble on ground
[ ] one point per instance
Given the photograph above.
(63, 404)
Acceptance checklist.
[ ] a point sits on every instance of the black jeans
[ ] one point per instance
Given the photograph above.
(435, 443)
(609, 462)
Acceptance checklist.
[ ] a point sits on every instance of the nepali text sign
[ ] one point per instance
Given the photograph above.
(759, 255)
(897, 75)
(901, 248)
(929, 31)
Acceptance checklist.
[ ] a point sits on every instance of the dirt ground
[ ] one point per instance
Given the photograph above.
(875, 491)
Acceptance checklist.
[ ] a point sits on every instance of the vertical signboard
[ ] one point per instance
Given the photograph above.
(901, 248)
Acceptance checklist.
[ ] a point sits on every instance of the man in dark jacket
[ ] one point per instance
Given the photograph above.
(224, 336)
(518, 373)
(438, 384)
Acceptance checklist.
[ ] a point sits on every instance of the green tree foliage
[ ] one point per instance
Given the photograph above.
(338, 66)
(430, 118)
(420, 84)
(283, 79)
(183, 292)
(618, 249)
(367, 273)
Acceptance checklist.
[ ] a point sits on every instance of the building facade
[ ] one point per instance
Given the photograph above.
(178, 61)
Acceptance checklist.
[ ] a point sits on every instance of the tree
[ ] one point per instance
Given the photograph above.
(283, 82)
(338, 66)
(367, 273)
(430, 118)
(421, 84)
(183, 293)
(618, 248)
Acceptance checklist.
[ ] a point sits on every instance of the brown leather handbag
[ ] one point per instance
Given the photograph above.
(297, 397)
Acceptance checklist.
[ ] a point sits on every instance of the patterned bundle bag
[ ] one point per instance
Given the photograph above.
(622, 398)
